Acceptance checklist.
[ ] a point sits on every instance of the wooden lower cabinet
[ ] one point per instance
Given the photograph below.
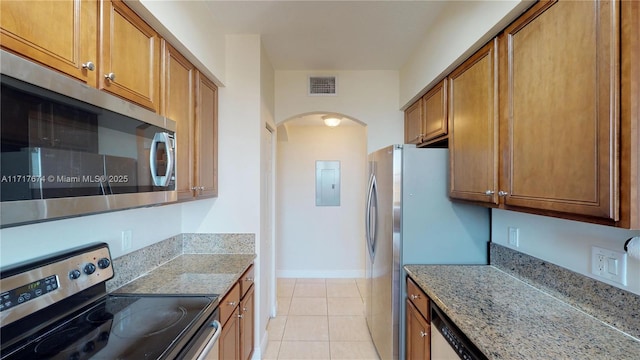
(229, 340)
(247, 321)
(418, 328)
(237, 316)
(418, 336)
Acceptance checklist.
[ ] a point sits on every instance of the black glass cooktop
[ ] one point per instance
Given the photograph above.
(117, 327)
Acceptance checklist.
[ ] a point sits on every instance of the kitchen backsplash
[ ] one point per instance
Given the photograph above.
(219, 243)
(135, 264)
(612, 305)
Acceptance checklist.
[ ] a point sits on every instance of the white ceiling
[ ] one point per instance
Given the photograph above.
(331, 35)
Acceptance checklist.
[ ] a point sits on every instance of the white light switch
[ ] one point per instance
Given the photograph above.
(609, 264)
(514, 233)
(612, 266)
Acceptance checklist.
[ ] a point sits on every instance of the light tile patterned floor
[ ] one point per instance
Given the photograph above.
(319, 319)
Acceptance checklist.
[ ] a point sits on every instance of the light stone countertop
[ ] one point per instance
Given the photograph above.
(509, 319)
(192, 274)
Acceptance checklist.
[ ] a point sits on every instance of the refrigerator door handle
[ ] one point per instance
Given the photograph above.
(367, 218)
(374, 226)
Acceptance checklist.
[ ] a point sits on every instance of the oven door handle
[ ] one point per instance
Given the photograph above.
(217, 328)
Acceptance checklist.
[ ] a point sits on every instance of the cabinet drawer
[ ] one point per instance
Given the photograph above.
(246, 280)
(229, 303)
(418, 298)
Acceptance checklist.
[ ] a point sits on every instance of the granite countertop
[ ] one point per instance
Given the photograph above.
(509, 319)
(192, 274)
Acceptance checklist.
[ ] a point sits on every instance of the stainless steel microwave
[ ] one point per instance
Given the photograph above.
(68, 149)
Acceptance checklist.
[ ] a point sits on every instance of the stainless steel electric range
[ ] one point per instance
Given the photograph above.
(57, 307)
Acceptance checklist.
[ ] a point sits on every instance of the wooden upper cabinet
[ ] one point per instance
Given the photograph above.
(630, 116)
(559, 83)
(413, 123)
(435, 123)
(206, 135)
(130, 56)
(58, 34)
(473, 138)
(178, 104)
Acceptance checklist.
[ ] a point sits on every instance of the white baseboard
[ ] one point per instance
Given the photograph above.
(327, 274)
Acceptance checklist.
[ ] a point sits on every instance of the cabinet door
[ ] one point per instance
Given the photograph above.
(130, 52)
(206, 136)
(179, 104)
(229, 338)
(59, 34)
(560, 85)
(413, 123)
(473, 141)
(435, 112)
(418, 339)
(630, 116)
(246, 325)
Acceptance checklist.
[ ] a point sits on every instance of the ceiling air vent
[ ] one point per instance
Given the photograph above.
(323, 85)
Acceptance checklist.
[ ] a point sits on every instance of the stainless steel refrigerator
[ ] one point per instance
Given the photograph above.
(410, 220)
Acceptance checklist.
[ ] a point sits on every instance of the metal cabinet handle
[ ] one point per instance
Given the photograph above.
(240, 316)
(110, 76)
(232, 303)
(502, 193)
(89, 66)
(244, 309)
(423, 334)
(489, 192)
(248, 279)
(414, 297)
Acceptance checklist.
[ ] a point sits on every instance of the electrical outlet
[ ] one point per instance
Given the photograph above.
(514, 234)
(127, 240)
(609, 264)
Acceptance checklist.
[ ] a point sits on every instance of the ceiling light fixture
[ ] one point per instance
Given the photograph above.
(332, 120)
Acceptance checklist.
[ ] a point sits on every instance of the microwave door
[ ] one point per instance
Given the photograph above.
(121, 174)
(66, 173)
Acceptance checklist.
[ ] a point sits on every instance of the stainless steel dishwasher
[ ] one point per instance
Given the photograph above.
(448, 342)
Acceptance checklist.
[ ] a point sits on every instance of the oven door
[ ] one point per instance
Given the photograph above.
(204, 345)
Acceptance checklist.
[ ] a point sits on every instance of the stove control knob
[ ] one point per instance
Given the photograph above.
(89, 269)
(104, 263)
(74, 274)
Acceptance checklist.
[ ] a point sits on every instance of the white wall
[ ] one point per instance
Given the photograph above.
(564, 242)
(320, 241)
(370, 97)
(266, 292)
(461, 29)
(147, 225)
